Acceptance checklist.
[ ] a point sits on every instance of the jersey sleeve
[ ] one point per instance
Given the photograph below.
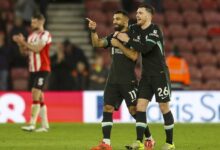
(154, 36)
(107, 41)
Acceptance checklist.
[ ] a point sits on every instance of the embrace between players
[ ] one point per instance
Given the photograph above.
(126, 43)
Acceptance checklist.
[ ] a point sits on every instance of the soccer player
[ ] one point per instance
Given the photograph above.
(121, 83)
(147, 39)
(37, 47)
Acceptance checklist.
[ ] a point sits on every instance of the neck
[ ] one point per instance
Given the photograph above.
(146, 25)
(40, 29)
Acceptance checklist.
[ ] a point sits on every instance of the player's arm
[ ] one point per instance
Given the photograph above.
(130, 53)
(33, 47)
(96, 41)
(30, 46)
(143, 47)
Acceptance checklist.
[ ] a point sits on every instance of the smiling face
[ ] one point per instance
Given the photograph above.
(143, 16)
(120, 22)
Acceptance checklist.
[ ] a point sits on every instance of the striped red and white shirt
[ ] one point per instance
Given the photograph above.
(40, 61)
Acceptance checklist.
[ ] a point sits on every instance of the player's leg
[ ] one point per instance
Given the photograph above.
(111, 96)
(145, 94)
(107, 123)
(35, 109)
(130, 93)
(168, 125)
(162, 93)
(43, 115)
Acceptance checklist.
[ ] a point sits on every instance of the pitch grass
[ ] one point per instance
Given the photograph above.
(84, 136)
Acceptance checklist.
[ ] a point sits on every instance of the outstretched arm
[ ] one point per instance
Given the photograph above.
(96, 41)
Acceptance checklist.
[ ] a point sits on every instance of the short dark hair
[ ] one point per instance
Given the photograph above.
(124, 13)
(38, 16)
(148, 8)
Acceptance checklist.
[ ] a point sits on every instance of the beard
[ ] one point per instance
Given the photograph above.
(118, 27)
(34, 28)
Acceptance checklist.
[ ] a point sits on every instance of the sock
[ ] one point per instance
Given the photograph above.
(43, 115)
(168, 126)
(140, 125)
(35, 109)
(107, 123)
(147, 130)
(147, 133)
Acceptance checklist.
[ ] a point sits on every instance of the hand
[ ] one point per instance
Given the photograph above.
(92, 24)
(21, 37)
(115, 42)
(15, 38)
(123, 37)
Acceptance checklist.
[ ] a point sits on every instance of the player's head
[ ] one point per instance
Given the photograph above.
(37, 21)
(144, 14)
(120, 20)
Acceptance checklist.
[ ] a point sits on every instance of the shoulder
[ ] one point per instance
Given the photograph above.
(155, 31)
(156, 27)
(133, 27)
(45, 33)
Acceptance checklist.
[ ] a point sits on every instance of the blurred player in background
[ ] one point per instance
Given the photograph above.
(147, 39)
(37, 47)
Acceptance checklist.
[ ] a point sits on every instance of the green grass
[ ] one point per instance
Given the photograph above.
(84, 136)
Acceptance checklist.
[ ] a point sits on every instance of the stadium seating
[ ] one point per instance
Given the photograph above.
(196, 30)
(189, 5)
(173, 17)
(19, 77)
(177, 31)
(191, 17)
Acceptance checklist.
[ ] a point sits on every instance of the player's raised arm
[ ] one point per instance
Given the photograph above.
(96, 41)
(130, 53)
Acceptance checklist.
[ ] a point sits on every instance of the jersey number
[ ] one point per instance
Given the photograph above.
(163, 92)
(133, 94)
(40, 81)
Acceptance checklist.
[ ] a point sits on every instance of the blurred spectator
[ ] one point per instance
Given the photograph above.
(19, 60)
(179, 71)
(98, 75)
(81, 76)
(25, 9)
(128, 5)
(64, 63)
(43, 5)
(3, 22)
(4, 62)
